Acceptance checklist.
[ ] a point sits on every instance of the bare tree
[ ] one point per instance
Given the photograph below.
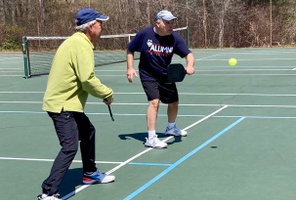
(212, 23)
(205, 23)
(2, 13)
(221, 22)
(270, 22)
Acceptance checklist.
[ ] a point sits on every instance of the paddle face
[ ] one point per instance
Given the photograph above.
(176, 73)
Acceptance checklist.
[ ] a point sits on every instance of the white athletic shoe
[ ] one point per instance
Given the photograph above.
(175, 131)
(46, 197)
(154, 142)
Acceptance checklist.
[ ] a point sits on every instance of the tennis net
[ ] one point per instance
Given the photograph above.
(38, 52)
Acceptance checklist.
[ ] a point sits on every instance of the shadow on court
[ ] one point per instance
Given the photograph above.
(141, 137)
(72, 179)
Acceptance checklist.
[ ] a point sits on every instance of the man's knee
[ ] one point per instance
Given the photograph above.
(154, 103)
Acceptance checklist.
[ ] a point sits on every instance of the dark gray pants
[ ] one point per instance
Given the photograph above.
(70, 128)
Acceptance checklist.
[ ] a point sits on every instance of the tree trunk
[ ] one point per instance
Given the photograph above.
(2, 12)
(205, 24)
(221, 23)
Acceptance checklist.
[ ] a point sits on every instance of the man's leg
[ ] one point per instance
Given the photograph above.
(172, 111)
(152, 92)
(87, 142)
(67, 133)
(151, 115)
(172, 129)
(169, 95)
(87, 145)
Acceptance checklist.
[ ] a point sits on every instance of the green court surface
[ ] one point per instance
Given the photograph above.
(241, 124)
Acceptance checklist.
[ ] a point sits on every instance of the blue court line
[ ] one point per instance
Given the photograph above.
(159, 176)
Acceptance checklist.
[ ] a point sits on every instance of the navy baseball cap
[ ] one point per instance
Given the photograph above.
(87, 14)
(166, 15)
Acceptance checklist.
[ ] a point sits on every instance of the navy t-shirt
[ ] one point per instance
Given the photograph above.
(156, 52)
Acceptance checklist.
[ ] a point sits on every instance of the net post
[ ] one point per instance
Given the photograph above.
(25, 57)
(186, 28)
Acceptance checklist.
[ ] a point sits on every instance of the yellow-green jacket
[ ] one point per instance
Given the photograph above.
(72, 77)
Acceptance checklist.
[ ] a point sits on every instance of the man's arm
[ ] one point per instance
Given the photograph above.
(131, 72)
(85, 72)
(189, 64)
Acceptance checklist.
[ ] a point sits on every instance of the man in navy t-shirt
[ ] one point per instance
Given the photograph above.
(157, 45)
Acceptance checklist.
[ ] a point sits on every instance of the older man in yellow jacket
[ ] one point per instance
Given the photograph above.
(70, 80)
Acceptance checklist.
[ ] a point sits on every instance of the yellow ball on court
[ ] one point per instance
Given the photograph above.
(232, 62)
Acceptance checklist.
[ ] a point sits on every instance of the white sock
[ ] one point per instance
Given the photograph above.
(171, 125)
(151, 134)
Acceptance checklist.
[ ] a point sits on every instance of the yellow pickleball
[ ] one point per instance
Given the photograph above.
(232, 62)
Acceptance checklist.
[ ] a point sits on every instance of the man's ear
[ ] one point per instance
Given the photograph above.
(157, 22)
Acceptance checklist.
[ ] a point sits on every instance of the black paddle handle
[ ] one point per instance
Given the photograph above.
(110, 113)
(109, 109)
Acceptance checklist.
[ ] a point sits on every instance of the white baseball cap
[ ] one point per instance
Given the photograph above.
(166, 15)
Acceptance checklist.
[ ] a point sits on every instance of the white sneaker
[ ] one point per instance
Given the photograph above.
(154, 142)
(175, 131)
(97, 177)
(46, 197)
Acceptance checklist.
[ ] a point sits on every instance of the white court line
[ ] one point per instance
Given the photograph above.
(143, 104)
(246, 74)
(188, 127)
(248, 59)
(22, 102)
(10, 75)
(180, 93)
(221, 68)
(7, 72)
(6, 69)
(219, 74)
(228, 69)
(51, 160)
(237, 94)
(79, 189)
(22, 92)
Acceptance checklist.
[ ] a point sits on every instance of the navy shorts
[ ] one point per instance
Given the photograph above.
(165, 92)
